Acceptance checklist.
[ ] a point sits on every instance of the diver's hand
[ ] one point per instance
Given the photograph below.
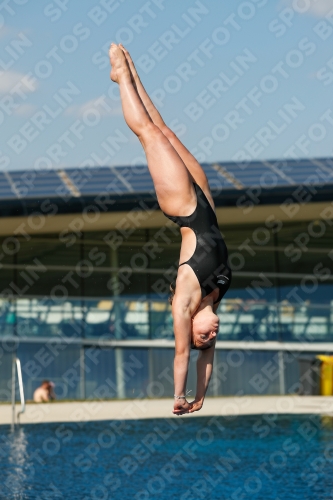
(196, 405)
(181, 406)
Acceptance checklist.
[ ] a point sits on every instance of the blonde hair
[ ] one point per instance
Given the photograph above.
(172, 292)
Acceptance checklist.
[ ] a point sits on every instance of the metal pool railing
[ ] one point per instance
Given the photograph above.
(16, 366)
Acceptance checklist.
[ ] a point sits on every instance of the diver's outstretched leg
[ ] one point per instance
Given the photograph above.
(191, 163)
(172, 182)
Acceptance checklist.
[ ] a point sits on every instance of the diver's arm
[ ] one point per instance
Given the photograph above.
(182, 322)
(204, 372)
(182, 327)
(185, 302)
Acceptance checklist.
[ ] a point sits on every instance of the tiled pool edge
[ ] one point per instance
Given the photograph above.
(85, 411)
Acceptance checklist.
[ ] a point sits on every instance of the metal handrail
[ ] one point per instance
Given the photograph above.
(17, 367)
(19, 376)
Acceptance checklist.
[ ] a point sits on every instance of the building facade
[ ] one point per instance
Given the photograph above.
(86, 271)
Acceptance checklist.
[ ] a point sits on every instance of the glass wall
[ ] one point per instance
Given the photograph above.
(98, 373)
(115, 284)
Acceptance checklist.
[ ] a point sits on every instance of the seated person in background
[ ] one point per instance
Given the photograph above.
(44, 393)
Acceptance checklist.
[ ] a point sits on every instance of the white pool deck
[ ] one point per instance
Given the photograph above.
(84, 411)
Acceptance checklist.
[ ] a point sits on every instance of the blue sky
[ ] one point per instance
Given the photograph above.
(235, 79)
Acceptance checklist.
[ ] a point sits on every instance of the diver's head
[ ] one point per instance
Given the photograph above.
(205, 325)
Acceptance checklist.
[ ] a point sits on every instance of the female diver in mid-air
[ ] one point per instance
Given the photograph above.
(184, 196)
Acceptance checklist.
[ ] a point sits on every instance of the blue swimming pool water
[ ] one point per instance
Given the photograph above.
(248, 457)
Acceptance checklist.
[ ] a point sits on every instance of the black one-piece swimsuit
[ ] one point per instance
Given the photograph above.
(210, 259)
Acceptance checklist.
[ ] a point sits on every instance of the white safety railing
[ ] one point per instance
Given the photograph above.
(16, 366)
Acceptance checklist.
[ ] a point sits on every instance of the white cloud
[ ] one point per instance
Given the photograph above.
(320, 8)
(25, 109)
(4, 31)
(102, 105)
(317, 8)
(8, 79)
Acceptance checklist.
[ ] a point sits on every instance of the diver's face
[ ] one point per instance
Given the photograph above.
(205, 326)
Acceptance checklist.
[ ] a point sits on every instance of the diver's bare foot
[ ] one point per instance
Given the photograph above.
(195, 405)
(130, 62)
(119, 64)
(181, 406)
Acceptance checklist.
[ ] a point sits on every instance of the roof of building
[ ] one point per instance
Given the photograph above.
(122, 187)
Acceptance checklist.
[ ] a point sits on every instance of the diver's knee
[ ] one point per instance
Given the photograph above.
(148, 131)
(168, 133)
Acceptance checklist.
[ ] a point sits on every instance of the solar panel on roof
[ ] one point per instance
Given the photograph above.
(136, 179)
(7, 194)
(97, 180)
(36, 183)
(216, 179)
(6, 189)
